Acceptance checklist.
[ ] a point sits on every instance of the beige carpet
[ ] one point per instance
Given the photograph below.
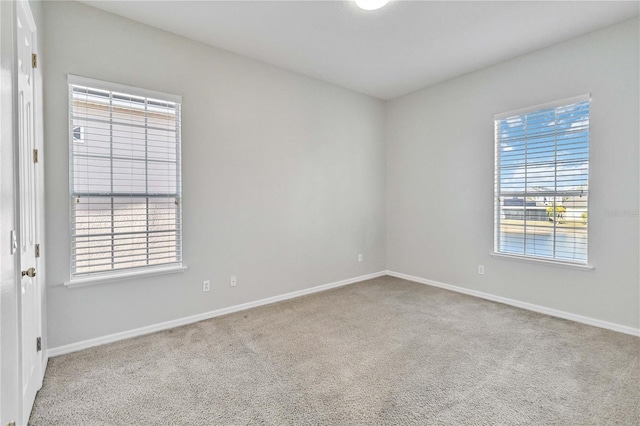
(384, 351)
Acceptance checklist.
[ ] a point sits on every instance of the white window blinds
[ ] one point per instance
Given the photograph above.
(542, 181)
(125, 183)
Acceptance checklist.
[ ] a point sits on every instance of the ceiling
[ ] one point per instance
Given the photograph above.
(386, 53)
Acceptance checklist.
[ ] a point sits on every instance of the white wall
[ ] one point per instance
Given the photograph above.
(287, 179)
(440, 150)
(283, 177)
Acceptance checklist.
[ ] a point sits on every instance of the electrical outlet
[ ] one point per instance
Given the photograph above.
(359, 258)
(232, 281)
(481, 269)
(206, 285)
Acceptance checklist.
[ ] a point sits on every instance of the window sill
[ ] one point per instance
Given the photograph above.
(82, 282)
(570, 265)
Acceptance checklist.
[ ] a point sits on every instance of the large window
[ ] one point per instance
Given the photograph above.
(542, 181)
(125, 186)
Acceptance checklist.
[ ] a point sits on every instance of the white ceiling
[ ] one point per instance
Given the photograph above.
(386, 53)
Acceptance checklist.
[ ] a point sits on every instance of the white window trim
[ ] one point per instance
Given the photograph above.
(542, 261)
(546, 105)
(125, 274)
(109, 277)
(115, 87)
(584, 266)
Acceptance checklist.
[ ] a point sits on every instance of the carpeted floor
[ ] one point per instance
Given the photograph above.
(384, 351)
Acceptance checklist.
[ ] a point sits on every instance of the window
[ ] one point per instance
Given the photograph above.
(542, 181)
(125, 184)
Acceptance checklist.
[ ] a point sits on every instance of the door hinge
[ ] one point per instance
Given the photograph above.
(37, 250)
(34, 60)
(11, 423)
(35, 155)
(39, 344)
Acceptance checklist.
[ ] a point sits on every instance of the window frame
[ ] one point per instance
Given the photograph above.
(85, 278)
(497, 193)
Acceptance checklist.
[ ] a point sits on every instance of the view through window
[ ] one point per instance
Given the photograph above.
(542, 181)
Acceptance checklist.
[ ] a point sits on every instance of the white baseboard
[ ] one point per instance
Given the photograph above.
(73, 347)
(524, 305)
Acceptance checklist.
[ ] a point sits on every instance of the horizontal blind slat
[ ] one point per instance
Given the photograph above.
(91, 257)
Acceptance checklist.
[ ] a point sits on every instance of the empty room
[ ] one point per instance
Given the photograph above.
(319, 212)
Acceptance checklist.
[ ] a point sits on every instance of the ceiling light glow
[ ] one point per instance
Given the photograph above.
(371, 4)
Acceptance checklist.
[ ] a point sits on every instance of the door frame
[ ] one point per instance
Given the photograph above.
(9, 261)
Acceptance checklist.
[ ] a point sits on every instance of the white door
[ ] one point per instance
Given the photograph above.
(30, 310)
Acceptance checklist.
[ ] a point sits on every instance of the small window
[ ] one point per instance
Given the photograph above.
(542, 181)
(125, 183)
